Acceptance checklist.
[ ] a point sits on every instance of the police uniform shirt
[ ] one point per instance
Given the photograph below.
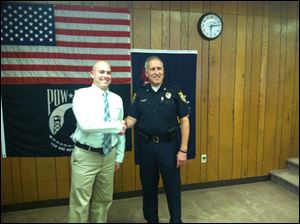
(157, 112)
(88, 108)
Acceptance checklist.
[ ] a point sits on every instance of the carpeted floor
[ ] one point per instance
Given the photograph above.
(261, 202)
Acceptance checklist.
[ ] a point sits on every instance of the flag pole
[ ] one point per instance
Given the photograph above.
(3, 147)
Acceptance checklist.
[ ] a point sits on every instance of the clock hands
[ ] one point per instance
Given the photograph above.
(213, 25)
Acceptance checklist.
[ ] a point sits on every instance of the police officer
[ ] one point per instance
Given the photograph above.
(161, 144)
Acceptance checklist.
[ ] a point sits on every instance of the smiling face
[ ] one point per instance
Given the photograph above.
(101, 74)
(155, 72)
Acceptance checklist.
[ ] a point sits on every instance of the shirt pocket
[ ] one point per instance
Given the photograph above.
(168, 107)
(168, 111)
(145, 108)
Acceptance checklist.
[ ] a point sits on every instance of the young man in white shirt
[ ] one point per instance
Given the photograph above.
(93, 163)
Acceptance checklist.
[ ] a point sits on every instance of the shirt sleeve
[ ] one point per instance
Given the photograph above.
(86, 119)
(133, 110)
(121, 140)
(183, 105)
(120, 148)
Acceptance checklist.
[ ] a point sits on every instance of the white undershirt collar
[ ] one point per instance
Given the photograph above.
(155, 88)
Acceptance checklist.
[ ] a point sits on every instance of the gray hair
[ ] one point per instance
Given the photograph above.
(153, 57)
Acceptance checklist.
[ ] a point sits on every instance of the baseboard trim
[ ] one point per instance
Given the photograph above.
(197, 186)
(122, 195)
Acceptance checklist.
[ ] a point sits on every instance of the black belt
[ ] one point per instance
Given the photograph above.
(154, 138)
(89, 148)
(158, 139)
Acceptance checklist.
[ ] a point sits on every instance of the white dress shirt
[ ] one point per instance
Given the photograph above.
(88, 108)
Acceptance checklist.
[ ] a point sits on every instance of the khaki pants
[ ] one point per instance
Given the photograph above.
(91, 186)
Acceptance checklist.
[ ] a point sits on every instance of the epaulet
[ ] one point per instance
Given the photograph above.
(181, 95)
(173, 87)
(139, 89)
(144, 86)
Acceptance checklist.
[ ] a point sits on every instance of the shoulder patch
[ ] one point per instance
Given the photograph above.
(182, 97)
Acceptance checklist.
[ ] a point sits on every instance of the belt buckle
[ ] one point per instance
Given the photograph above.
(155, 139)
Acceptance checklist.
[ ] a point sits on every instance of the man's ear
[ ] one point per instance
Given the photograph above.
(92, 74)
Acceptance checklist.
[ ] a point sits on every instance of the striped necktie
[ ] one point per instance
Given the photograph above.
(106, 136)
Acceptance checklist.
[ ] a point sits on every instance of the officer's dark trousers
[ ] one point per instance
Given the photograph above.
(155, 158)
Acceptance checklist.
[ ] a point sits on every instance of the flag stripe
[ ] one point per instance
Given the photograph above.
(19, 67)
(92, 20)
(90, 45)
(46, 80)
(94, 26)
(93, 33)
(53, 61)
(92, 39)
(62, 56)
(57, 74)
(103, 51)
(91, 14)
(92, 8)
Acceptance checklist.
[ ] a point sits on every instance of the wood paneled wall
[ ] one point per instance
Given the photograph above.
(247, 95)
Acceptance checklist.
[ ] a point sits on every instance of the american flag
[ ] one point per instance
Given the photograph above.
(43, 43)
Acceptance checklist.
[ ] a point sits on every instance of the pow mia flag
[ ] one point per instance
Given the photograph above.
(38, 119)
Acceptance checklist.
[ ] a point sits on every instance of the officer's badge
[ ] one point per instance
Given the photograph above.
(182, 97)
(133, 97)
(168, 95)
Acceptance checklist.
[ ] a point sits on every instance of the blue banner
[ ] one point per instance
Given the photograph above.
(180, 70)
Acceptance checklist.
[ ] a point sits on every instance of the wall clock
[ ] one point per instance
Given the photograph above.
(210, 26)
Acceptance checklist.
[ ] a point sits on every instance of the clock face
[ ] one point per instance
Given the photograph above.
(210, 26)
